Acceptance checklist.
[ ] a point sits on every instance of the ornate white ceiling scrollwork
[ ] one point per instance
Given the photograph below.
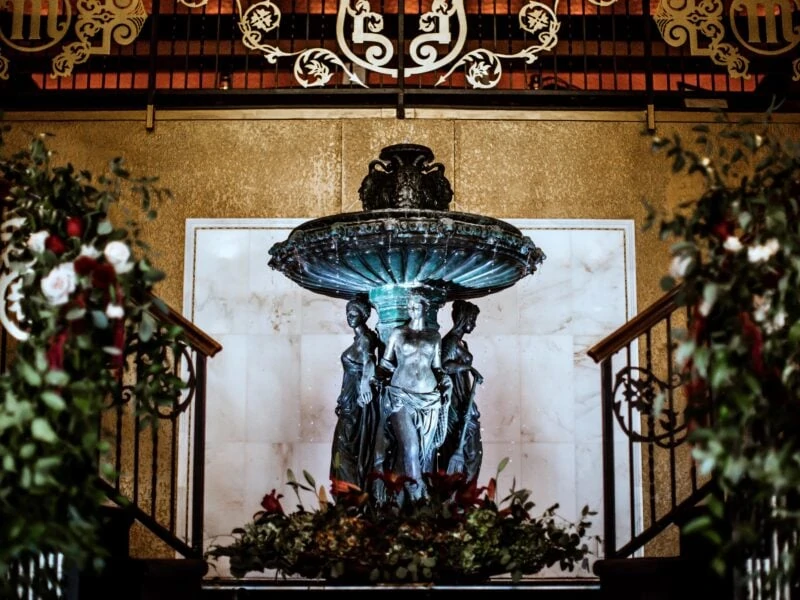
(439, 42)
(483, 67)
(11, 315)
(312, 67)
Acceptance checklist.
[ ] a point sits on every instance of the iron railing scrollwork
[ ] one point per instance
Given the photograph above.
(646, 423)
(642, 394)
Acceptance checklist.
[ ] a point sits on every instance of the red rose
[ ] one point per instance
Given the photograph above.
(55, 244)
(272, 504)
(74, 227)
(85, 265)
(103, 276)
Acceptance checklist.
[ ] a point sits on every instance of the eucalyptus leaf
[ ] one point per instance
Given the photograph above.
(41, 430)
(53, 400)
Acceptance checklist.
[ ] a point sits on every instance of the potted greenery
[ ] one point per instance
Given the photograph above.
(736, 256)
(458, 533)
(76, 291)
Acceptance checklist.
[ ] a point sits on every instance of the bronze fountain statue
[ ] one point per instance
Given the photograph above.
(407, 403)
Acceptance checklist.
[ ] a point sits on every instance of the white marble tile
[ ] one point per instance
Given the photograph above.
(497, 358)
(274, 410)
(545, 298)
(321, 382)
(587, 397)
(551, 476)
(499, 314)
(220, 279)
(598, 296)
(547, 388)
(495, 453)
(226, 482)
(226, 391)
(272, 307)
(323, 314)
(589, 488)
(265, 467)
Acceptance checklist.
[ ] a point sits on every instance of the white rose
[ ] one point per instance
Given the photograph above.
(680, 265)
(732, 244)
(59, 284)
(89, 251)
(761, 253)
(117, 254)
(36, 241)
(115, 311)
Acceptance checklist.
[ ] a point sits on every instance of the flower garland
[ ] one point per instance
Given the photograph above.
(77, 299)
(736, 257)
(458, 533)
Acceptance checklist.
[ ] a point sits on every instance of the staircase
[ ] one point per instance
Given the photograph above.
(628, 571)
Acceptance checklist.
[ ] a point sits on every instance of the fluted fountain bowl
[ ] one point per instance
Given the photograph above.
(459, 255)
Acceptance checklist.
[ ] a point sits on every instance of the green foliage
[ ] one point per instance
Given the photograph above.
(79, 303)
(457, 533)
(737, 257)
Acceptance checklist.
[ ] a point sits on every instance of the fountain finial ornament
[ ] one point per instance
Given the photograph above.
(405, 176)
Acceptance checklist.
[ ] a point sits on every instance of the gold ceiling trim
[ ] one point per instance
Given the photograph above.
(119, 21)
(3, 67)
(700, 24)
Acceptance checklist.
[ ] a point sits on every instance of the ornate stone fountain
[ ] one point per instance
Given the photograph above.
(405, 243)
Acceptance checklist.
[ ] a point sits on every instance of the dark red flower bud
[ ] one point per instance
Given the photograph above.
(55, 350)
(55, 244)
(74, 227)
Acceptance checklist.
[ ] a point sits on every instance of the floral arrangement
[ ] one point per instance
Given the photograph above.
(76, 298)
(736, 256)
(458, 533)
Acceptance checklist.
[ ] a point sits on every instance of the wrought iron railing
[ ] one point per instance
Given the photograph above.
(609, 53)
(650, 482)
(160, 465)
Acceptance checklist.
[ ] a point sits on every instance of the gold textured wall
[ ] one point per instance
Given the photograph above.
(556, 165)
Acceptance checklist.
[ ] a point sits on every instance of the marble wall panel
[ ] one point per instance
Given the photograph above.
(272, 390)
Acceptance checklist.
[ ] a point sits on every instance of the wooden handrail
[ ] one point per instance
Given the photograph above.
(638, 325)
(197, 338)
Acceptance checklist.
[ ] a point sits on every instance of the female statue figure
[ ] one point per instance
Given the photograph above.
(416, 397)
(354, 435)
(463, 449)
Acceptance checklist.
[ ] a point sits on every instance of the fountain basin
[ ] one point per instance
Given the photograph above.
(452, 254)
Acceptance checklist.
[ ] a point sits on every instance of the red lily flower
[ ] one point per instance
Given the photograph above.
(272, 504)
